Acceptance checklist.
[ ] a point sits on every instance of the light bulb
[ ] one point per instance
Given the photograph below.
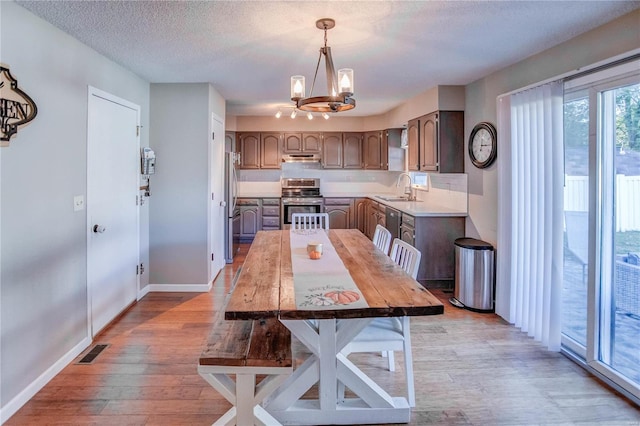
(325, 115)
(278, 114)
(310, 116)
(297, 87)
(294, 113)
(345, 80)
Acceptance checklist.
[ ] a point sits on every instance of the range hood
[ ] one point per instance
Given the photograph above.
(301, 158)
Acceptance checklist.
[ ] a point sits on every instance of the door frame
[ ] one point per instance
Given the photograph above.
(94, 92)
(216, 172)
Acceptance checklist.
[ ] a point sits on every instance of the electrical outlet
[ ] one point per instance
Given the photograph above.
(78, 203)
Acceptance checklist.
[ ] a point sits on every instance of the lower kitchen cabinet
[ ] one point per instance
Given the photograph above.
(250, 218)
(435, 237)
(376, 215)
(256, 214)
(360, 214)
(340, 211)
(270, 214)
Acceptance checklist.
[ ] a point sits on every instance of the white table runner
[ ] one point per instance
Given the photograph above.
(321, 283)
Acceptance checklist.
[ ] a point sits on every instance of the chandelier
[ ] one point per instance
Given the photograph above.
(339, 89)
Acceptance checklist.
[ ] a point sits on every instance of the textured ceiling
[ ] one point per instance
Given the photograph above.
(248, 49)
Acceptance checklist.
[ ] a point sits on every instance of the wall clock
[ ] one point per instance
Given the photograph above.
(483, 145)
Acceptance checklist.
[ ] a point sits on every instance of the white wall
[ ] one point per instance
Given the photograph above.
(43, 265)
(617, 37)
(178, 222)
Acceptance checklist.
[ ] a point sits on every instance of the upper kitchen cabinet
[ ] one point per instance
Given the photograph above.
(270, 151)
(436, 142)
(413, 152)
(332, 150)
(248, 145)
(352, 151)
(342, 150)
(381, 150)
(259, 150)
(296, 143)
(372, 151)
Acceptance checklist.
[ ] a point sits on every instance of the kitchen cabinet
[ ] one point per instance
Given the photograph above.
(230, 141)
(332, 150)
(436, 142)
(270, 150)
(248, 145)
(376, 215)
(372, 151)
(342, 150)
(250, 218)
(296, 143)
(381, 150)
(259, 150)
(413, 135)
(352, 151)
(360, 214)
(270, 214)
(340, 211)
(434, 236)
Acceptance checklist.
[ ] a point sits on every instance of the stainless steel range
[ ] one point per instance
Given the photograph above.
(299, 195)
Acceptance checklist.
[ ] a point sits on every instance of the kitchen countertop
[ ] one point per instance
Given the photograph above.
(413, 208)
(420, 208)
(265, 194)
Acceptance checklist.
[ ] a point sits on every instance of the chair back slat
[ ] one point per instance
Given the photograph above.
(310, 221)
(406, 256)
(382, 238)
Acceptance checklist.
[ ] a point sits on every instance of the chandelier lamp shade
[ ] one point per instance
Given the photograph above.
(339, 86)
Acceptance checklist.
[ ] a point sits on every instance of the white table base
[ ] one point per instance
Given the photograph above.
(327, 366)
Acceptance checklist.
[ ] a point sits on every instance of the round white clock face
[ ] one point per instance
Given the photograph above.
(482, 145)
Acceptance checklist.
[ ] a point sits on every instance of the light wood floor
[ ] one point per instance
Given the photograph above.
(470, 369)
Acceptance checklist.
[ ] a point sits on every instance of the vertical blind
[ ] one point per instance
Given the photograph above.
(530, 227)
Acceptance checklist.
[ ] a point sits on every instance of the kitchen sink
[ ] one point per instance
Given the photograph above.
(396, 198)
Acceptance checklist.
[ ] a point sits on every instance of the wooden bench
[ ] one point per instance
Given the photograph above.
(246, 348)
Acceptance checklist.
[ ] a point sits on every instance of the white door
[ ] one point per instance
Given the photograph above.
(217, 210)
(113, 158)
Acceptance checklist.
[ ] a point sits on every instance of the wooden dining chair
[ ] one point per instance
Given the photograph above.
(310, 221)
(382, 238)
(391, 334)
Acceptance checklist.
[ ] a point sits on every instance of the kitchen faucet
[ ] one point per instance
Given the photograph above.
(407, 189)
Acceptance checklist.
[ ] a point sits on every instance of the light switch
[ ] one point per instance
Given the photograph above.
(78, 203)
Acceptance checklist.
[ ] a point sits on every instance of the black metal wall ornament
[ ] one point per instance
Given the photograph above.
(16, 107)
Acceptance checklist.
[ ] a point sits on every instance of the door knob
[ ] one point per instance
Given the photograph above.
(99, 229)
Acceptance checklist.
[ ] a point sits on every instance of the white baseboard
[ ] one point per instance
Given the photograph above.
(23, 397)
(143, 292)
(179, 288)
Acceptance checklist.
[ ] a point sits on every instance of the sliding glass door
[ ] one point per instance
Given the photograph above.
(601, 288)
(576, 220)
(618, 188)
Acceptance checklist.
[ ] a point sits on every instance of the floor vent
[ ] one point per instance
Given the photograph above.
(93, 354)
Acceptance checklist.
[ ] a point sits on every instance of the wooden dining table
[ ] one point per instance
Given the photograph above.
(268, 286)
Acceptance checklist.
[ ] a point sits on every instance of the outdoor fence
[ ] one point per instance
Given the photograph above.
(576, 198)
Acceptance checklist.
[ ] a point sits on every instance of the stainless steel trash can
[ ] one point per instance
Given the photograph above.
(474, 279)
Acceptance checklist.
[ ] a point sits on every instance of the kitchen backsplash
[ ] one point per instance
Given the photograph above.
(445, 189)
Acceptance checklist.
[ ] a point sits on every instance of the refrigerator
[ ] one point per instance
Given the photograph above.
(232, 217)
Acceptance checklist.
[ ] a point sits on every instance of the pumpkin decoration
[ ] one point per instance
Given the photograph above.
(343, 297)
(315, 254)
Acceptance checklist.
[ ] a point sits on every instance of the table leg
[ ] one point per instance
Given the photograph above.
(328, 367)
